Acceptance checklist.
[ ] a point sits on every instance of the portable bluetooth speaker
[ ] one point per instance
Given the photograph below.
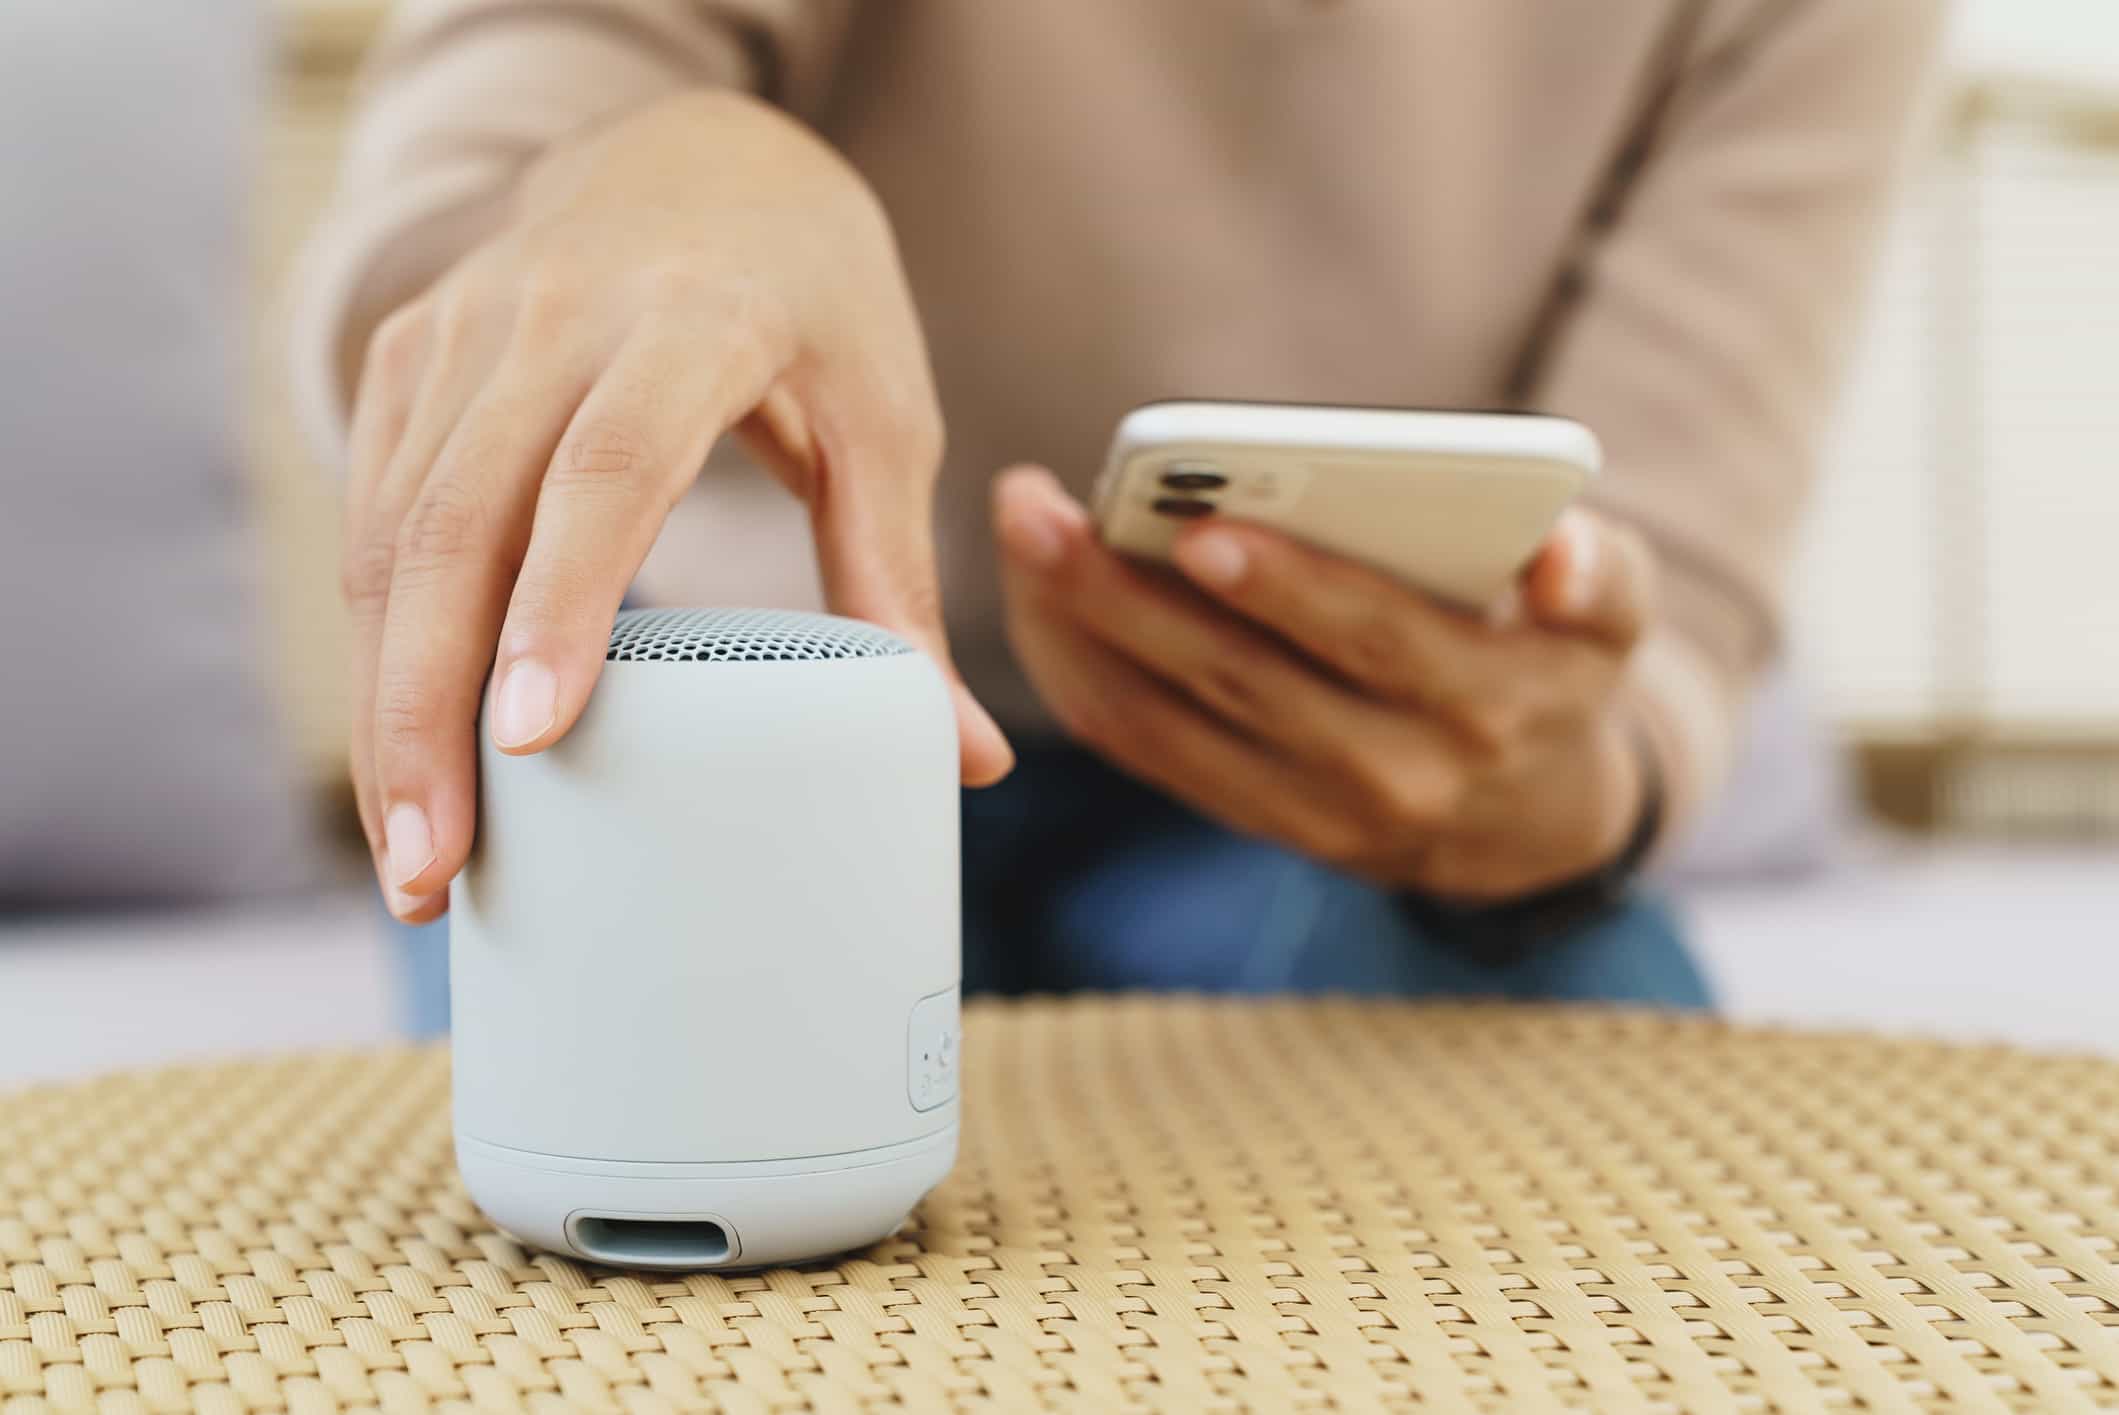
(704, 959)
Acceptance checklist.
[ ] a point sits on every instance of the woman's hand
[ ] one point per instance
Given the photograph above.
(523, 428)
(1296, 696)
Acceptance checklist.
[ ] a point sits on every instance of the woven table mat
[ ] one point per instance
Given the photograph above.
(1162, 1204)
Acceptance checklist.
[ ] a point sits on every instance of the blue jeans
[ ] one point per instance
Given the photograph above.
(1076, 877)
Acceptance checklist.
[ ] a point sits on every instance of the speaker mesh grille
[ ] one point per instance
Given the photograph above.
(744, 636)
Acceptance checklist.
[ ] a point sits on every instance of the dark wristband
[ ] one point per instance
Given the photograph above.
(1504, 931)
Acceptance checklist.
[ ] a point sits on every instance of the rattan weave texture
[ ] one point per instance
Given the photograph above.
(1171, 1205)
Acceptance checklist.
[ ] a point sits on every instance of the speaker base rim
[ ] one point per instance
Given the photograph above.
(775, 1211)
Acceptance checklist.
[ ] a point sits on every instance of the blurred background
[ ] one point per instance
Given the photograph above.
(1924, 835)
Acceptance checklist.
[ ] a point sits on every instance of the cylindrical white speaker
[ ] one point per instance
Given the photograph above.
(704, 959)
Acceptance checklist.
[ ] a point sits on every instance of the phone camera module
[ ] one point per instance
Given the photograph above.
(1183, 507)
(1191, 476)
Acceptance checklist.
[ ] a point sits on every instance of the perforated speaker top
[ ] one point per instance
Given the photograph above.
(744, 636)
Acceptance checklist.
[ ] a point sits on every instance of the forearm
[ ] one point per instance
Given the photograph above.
(1684, 705)
(1715, 308)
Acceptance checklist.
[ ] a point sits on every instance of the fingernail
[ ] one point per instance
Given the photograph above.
(528, 701)
(401, 904)
(410, 842)
(1215, 560)
(1581, 563)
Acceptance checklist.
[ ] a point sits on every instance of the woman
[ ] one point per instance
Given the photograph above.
(579, 240)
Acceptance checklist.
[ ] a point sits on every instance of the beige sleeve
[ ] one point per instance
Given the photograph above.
(1710, 322)
(460, 95)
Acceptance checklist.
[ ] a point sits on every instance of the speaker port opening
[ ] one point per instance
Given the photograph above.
(651, 1242)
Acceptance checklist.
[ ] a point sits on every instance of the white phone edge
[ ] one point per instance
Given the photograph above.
(1331, 428)
(1468, 570)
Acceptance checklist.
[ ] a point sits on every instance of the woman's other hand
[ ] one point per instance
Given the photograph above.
(1297, 696)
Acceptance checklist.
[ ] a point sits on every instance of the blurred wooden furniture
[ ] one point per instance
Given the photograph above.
(1944, 601)
(1169, 1204)
(318, 46)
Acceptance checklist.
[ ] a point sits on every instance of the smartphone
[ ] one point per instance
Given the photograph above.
(1453, 504)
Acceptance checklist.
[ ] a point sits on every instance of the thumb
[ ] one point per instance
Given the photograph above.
(1592, 577)
(872, 523)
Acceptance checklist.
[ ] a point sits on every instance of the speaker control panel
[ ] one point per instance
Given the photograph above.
(932, 1040)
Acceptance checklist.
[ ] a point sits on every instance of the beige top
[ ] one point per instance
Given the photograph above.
(1651, 215)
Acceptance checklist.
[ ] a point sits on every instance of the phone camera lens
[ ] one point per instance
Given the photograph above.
(1183, 507)
(1188, 476)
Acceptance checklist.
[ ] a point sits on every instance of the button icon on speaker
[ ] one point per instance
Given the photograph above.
(931, 1042)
